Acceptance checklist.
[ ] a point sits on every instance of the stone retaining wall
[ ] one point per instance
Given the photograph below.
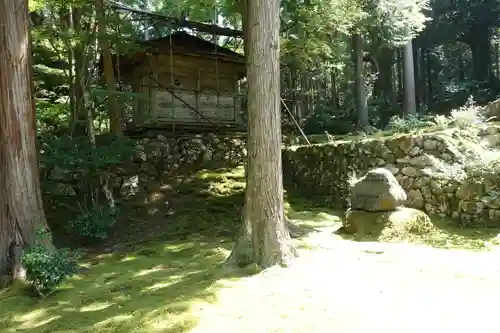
(430, 167)
(156, 157)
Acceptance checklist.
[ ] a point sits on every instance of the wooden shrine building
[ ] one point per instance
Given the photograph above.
(184, 81)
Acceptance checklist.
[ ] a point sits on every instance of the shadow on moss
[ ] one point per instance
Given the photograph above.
(145, 288)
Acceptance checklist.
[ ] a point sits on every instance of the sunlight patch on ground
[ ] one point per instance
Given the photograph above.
(404, 289)
(342, 286)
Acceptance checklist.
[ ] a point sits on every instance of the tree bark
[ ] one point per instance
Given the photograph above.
(333, 90)
(416, 74)
(409, 104)
(479, 42)
(265, 239)
(359, 82)
(21, 210)
(429, 77)
(384, 89)
(115, 118)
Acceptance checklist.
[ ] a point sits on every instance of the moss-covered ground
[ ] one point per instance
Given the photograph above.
(164, 275)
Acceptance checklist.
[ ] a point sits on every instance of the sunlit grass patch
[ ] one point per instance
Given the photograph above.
(152, 286)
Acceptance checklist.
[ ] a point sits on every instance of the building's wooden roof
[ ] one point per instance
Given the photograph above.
(191, 44)
(178, 43)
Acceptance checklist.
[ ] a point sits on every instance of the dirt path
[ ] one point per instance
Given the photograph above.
(365, 288)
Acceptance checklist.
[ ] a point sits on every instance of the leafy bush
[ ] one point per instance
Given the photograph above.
(441, 122)
(323, 120)
(47, 268)
(408, 124)
(86, 170)
(79, 154)
(51, 117)
(467, 115)
(95, 223)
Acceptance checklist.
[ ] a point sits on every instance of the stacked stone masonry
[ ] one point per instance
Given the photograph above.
(163, 156)
(424, 165)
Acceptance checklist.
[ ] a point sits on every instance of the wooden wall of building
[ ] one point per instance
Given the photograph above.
(179, 85)
(193, 72)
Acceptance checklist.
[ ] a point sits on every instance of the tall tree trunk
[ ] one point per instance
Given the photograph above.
(359, 81)
(416, 72)
(422, 88)
(460, 65)
(79, 119)
(399, 73)
(264, 212)
(333, 90)
(409, 81)
(497, 68)
(383, 89)
(479, 43)
(21, 210)
(428, 75)
(115, 118)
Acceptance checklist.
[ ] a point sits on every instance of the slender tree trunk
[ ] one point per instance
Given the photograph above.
(428, 74)
(461, 69)
(497, 68)
(422, 89)
(479, 42)
(416, 72)
(79, 118)
(115, 118)
(21, 210)
(409, 81)
(359, 82)
(383, 89)
(399, 69)
(333, 90)
(263, 214)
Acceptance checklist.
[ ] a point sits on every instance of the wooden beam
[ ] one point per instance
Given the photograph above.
(180, 23)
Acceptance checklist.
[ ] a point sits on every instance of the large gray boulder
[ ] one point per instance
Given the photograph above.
(377, 191)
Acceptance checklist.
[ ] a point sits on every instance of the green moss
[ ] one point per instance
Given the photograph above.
(131, 291)
(167, 286)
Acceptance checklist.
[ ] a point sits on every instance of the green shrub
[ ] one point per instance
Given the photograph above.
(96, 223)
(408, 124)
(52, 117)
(47, 268)
(467, 115)
(85, 170)
(323, 120)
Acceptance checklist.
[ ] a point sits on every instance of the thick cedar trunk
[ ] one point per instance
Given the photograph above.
(409, 105)
(265, 239)
(21, 210)
(109, 74)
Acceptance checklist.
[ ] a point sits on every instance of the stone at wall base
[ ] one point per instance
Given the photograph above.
(402, 219)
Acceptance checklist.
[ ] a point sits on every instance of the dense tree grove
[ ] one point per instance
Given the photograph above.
(313, 66)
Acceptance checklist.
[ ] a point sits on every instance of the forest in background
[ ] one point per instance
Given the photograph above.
(329, 52)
